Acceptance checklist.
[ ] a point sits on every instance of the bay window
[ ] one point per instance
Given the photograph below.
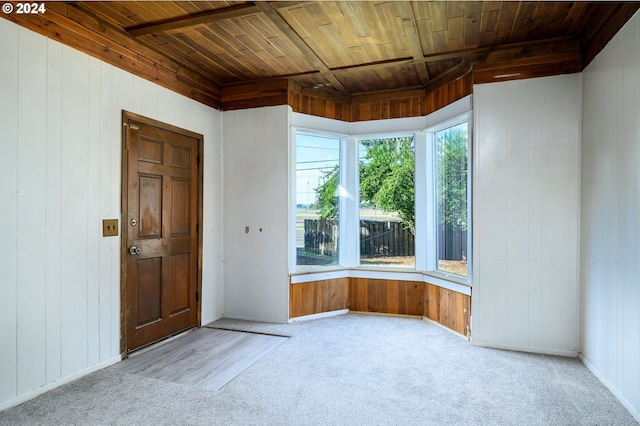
(387, 201)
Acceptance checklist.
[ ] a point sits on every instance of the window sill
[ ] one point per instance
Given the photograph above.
(449, 281)
(458, 279)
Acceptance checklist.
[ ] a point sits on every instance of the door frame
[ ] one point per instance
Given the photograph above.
(124, 221)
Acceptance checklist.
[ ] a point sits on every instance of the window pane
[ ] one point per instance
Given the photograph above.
(387, 202)
(451, 172)
(317, 206)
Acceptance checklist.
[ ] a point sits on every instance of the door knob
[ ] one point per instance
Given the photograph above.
(134, 250)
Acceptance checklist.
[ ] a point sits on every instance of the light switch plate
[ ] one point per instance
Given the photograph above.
(110, 228)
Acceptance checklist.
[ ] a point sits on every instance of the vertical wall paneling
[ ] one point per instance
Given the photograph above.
(517, 218)
(74, 226)
(490, 170)
(629, 315)
(53, 208)
(8, 217)
(60, 114)
(107, 178)
(610, 212)
(94, 224)
(526, 214)
(31, 210)
(256, 213)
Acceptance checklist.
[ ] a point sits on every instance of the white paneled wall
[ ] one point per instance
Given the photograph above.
(526, 214)
(256, 214)
(610, 260)
(61, 120)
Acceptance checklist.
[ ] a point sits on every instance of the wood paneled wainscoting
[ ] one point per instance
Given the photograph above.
(396, 297)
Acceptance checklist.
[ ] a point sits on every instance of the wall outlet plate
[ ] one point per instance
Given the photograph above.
(110, 228)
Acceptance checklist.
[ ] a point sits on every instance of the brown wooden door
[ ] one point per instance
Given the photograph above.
(161, 205)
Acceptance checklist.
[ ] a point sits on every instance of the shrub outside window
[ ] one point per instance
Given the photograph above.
(387, 202)
(451, 158)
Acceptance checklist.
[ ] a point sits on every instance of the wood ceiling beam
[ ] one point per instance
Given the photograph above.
(557, 49)
(194, 19)
(405, 10)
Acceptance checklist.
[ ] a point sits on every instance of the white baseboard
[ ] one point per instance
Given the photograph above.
(614, 390)
(519, 348)
(55, 384)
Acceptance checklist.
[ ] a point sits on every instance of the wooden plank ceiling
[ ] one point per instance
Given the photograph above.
(220, 49)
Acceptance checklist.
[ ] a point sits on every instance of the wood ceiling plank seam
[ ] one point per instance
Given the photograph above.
(503, 31)
(388, 18)
(253, 61)
(170, 9)
(455, 44)
(218, 34)
(472, 18)
(542, 16)
(288, 51)
(491, 6)
(191, 20)
(267, 59)
(425, 29)
(489, 21)
(332, 51)
(420, 10)
(455, 28)
(370, 48)
(123, 10)
(574, 16)
(343, 25)
(316, 13)
(559, 14)
(506, 21)
(290, 16)
(89, 21)
(188, 8)
(148, 14)
(455, 9)
(405, 11)
(103, 11)
(289, 32)
(215, 60)
(523, 21)
(438, 14)
(354, 15)
(441, 41)
(225, 36)
(508, 11)
(261, 27)
(278, 48)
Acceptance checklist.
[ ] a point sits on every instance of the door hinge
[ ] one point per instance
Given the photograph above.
(131, 126)
(197, 228)
(197, 296)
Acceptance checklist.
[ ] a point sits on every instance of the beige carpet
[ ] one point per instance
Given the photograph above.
(347, 370)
